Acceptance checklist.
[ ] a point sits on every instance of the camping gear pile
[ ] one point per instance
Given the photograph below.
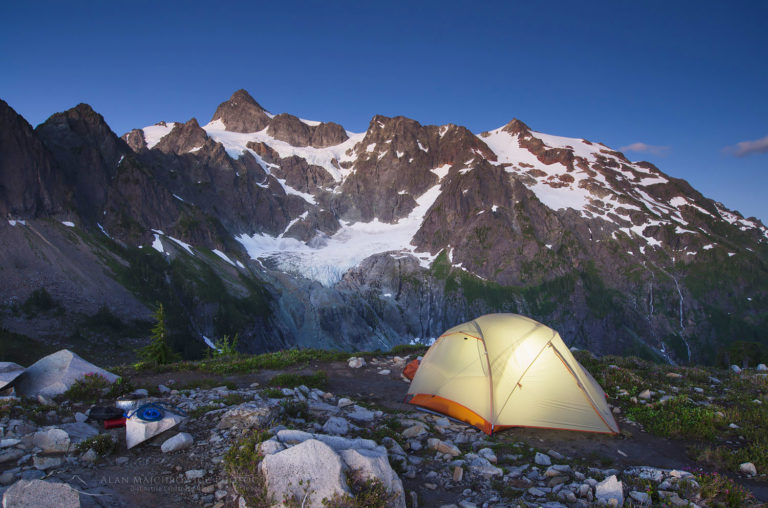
(56, 373)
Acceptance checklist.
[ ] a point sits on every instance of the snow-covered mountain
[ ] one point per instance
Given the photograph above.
(321, 236)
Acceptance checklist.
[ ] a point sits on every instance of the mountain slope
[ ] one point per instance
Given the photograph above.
(361, 240)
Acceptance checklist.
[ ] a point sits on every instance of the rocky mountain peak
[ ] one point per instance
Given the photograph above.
(241, 113)
(183, 138)
(516, 127)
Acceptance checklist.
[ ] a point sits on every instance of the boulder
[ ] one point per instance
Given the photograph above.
(415, 430)
(735, 369)
(306, 473)
(8, 372)
(336, 425)
(372, 464)
(356, 362)
(542, 459)
(748, 469)
(610, 492)
(11, 455)
(270, 446)
(249, 414)
(482, 466)
(40, 494)
(43, 463)
(55, 374)
(180, 441)
(762, 368)
(79, 431)
(443, 446)
(52, 441)
(360, 414)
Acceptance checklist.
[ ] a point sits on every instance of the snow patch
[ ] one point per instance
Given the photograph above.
(103, 230)
(158, 244)
(235, 143)
(186, 246)
(442, 171)
(67, 223)
(325, 259)
(223, 256)
(154, 133)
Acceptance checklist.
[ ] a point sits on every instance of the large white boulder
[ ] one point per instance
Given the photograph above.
(306, 473)
(8, 372)
(55, 374)
(373, 464)
(40, 494)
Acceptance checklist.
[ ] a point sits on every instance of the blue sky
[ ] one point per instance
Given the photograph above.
(683, 83)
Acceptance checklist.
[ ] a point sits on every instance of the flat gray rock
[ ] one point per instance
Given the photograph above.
(55, 374)
(40, 494)
(249, 414)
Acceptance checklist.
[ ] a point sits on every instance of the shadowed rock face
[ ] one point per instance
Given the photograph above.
(87, 152)
(135, 140)
(183, 138)
(241, 113)
(293, 131)
(29, 184)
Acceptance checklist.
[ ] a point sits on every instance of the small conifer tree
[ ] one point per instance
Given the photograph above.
(158, 350)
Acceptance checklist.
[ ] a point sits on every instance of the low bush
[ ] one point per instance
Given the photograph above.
(102, 444)
(678, 418)
(288, 380)
(87, 389)
(242, 462)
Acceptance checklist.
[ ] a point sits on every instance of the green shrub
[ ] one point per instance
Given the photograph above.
(678, 417)
(242, 464)
(225, 346)
(717, 490)
(317, 380)
(87, 389)
(273, 393)
(295, 409)
(102, 444)
(366, 493)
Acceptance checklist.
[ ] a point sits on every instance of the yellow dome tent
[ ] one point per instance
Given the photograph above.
(505, 370)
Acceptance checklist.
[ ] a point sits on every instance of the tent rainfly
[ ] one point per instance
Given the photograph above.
(505, 370)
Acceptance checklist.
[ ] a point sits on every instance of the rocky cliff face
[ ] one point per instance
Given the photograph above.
(29, 185)
(292, 232)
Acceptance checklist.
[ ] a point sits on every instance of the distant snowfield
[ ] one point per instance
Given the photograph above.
(235, 144)
(326, 260)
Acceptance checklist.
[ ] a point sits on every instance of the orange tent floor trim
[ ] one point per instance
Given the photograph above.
(466, 415)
